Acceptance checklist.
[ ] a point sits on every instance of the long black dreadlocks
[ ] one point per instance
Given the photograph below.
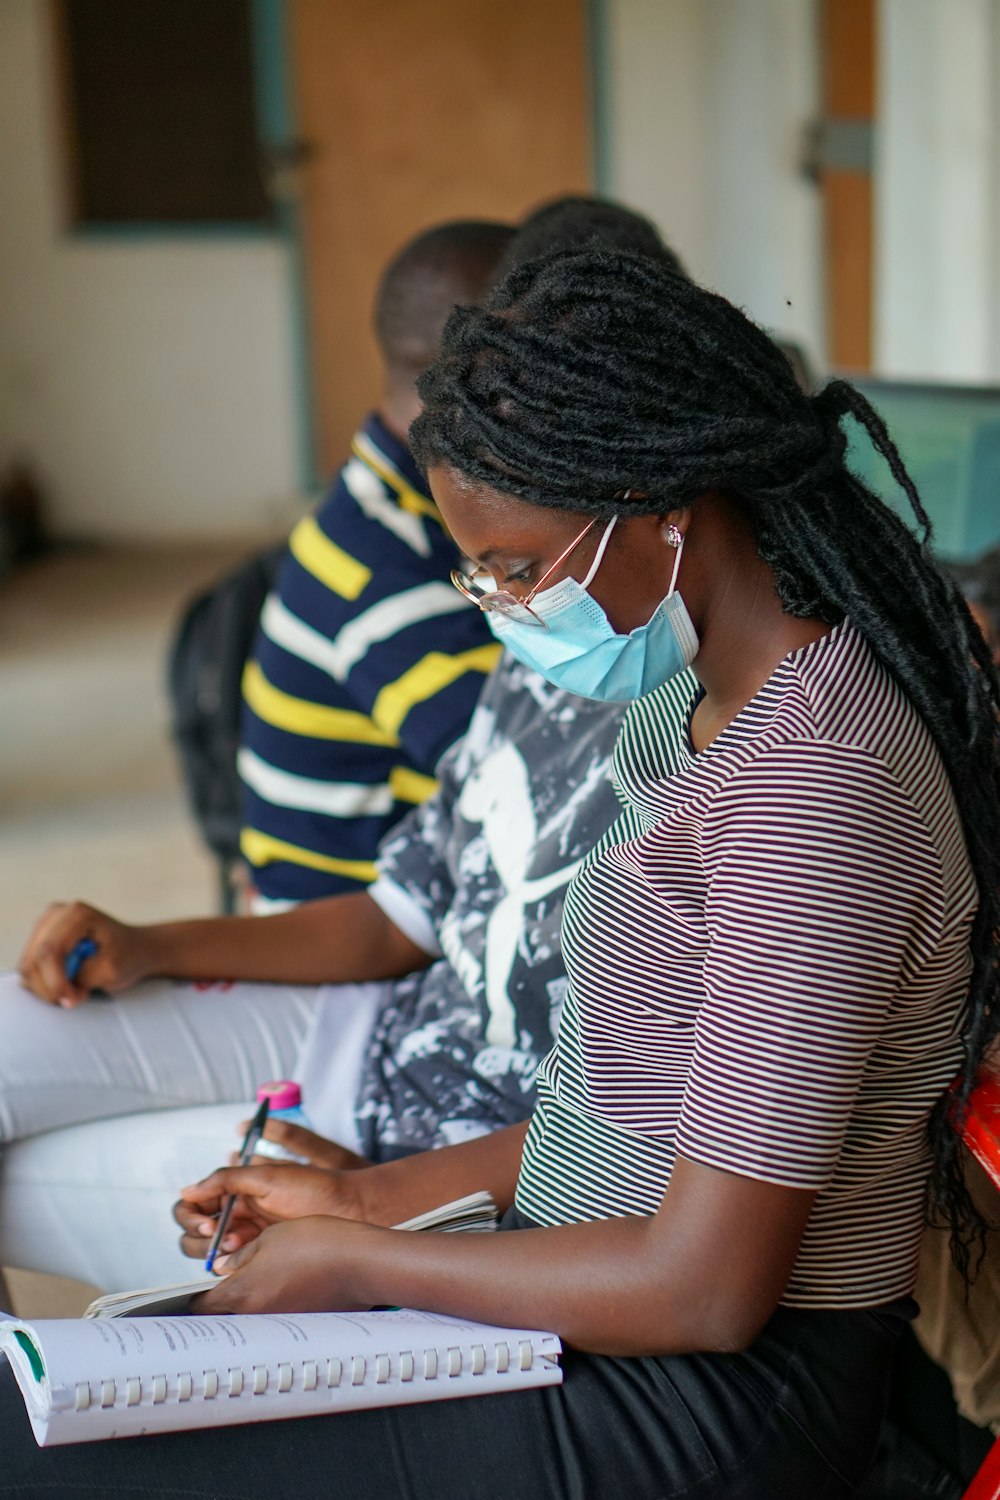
(590, 374)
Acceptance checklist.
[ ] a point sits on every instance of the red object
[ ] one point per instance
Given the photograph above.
(986, 1485)
(981, 1133)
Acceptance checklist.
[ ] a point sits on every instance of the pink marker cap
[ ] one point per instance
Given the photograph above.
(281, 1093)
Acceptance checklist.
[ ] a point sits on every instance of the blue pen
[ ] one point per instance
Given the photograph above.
(77, 956)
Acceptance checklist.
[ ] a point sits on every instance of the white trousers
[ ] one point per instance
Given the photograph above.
(106, 1110)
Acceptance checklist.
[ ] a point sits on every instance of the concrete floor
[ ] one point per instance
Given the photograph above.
(91, 803)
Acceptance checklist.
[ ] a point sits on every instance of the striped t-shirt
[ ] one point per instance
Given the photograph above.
(768, 959)
(366, 667)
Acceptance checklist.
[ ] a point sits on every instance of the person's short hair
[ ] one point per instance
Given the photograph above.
(577, 222)
(450, 263)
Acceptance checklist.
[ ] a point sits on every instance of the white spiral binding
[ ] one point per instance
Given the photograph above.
(310, 1375)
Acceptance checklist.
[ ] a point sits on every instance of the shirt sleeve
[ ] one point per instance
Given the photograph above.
(405, 912)
(824, 895)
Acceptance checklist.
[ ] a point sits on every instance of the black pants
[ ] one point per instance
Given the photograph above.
(796, 1417)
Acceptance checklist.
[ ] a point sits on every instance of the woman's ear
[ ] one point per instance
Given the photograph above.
(672, 522)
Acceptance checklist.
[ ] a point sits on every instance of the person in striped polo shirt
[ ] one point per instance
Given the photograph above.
(367, 664)
(779, 957)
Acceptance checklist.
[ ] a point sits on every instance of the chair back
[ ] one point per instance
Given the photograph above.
(981, 1134)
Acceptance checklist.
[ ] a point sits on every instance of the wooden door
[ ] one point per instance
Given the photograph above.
(845, 172)
(415, 111)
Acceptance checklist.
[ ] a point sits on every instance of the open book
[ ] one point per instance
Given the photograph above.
(84, 1380)
(88, 1378)
(474, 1213)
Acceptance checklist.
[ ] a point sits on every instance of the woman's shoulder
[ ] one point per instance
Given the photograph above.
(847, 698)
(847, 748)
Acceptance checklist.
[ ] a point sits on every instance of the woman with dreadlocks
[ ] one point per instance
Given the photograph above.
(779, 958)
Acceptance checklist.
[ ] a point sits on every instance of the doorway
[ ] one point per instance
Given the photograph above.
(411, 113)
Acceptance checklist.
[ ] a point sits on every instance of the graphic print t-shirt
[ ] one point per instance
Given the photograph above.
(477, 875)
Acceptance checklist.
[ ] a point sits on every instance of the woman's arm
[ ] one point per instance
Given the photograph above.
(381, 1195)
(335, 940)
(703, 1273)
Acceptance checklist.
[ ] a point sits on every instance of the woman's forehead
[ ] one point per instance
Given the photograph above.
(484, 520)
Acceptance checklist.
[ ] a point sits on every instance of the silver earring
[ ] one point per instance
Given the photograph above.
(675, 536)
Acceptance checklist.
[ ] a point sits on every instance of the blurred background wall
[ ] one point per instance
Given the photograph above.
(704, 111)
(937, 235)
(830, 164)
(147, 377)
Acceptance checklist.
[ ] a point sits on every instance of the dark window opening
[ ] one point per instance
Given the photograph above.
(159, 112)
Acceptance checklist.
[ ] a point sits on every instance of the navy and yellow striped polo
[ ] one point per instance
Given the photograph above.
(366, 667)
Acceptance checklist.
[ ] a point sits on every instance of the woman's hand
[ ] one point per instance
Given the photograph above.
(265, 1194)
(305, 1266)
(121, 958)
(316, 1150)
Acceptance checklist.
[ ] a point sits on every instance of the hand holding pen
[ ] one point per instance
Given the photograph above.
(249, 1146)
(77, 956)
(76, 951)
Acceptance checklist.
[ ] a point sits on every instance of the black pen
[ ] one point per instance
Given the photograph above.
(254, 1132)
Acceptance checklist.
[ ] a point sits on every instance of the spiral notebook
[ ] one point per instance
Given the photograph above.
(87, 1379)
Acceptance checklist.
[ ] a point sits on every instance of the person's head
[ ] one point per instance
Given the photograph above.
(596, 384)
(577, 223)
(451, 263)
(600, 383)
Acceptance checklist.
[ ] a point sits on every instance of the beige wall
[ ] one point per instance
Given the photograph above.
(937, 297)
(148, 380)
(708, 99)
(708, 102)
(151, 382)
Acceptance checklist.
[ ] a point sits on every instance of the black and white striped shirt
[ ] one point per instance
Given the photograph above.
(768, 957)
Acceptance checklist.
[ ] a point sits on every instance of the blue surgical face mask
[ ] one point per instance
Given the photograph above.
(581, 652)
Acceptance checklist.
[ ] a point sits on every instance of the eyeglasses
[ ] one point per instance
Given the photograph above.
(503, 602)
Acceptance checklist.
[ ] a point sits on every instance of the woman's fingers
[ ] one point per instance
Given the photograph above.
(196, 1239)
(197, 1226)
(201, 1199)
(197, 1211)
(268, 1190)
(294, 1267)
(253, 1183)
(226, 1298)
(271, 1192)
(315, 1149)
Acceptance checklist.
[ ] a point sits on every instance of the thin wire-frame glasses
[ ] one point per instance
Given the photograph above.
(505, 603)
